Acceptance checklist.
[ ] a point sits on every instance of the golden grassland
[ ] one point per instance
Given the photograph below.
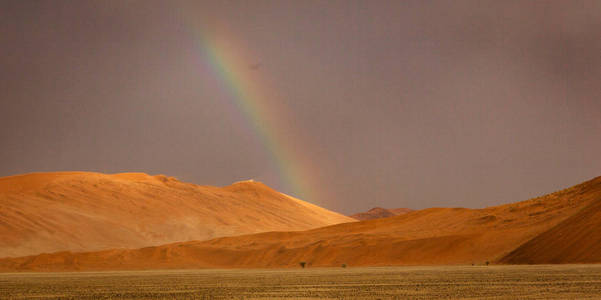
(475, 282)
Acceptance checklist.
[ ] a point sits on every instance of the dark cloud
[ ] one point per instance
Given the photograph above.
(402, 103)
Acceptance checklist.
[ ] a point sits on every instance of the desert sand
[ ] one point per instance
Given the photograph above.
(575, 240)
(379, 212)
(432, 236)
(79, 211)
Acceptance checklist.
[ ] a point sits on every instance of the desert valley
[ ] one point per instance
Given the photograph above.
(354, 149)
(89, 221)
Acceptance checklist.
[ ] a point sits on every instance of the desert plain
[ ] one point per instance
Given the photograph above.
(422, 282)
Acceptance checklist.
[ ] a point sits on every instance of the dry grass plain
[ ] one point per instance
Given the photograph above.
(474, 282)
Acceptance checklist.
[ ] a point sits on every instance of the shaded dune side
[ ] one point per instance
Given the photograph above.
(81, 211)
(575, 240)
(430, 236)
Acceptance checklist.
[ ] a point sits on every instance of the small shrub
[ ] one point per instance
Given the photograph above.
(487, 262)
(344, 265)
(302, 264)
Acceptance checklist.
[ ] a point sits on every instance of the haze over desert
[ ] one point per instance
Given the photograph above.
(343, 149)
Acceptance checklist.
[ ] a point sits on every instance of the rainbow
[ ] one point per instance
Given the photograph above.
(230, 62)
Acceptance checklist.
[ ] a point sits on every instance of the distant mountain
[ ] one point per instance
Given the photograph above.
(80, 211)
(401, 211)
(379, 212)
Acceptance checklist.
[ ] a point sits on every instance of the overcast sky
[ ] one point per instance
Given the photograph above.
(401, 103)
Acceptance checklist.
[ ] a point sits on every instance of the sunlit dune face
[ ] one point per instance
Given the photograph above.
(79, 211)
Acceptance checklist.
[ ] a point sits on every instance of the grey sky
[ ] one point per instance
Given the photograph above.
(403, 103)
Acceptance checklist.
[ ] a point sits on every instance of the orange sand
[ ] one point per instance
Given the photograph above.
(78, 211)
(430, 236)
(575, 240)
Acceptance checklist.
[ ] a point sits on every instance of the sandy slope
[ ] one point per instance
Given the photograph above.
(78, 211)
(379, 212)
(430, 236)
(575, 240)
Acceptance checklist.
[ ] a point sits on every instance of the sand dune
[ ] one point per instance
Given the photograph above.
(379, 212)
(575, 240)
(430, 236)
(78, 211)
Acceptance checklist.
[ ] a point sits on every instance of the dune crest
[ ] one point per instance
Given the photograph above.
(82, 211)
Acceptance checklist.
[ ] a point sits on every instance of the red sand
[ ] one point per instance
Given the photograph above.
(575, 240)
(78, 211)
(430, 236)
